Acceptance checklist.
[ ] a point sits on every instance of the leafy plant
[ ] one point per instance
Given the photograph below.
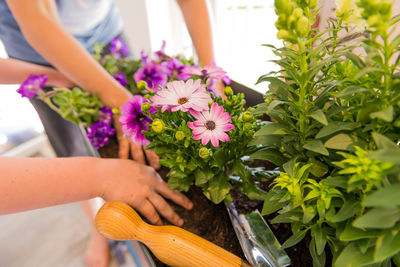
(335, 127)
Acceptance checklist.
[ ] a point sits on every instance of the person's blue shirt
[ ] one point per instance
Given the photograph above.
(89, 21)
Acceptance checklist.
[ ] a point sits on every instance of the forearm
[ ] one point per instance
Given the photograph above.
(197, 21)
(38, 21)
(31, 183)
(14, 71)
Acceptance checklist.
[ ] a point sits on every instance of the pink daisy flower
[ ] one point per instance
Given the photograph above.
(185, 96)
(211, 125)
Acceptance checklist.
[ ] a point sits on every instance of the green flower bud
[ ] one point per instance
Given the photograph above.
(282, 34)
(157, 125)
(247, 117)
(228, 91)
(179, 159)
(313, 4)
(142, 85)
(302, 26)
(385, 8)
(147, 96)
(247, 126)
(298, 12)
(373, 21)
(291, 20)
(397, 123)
(145, 107)
(179, 135)
(116, 111)
(204, 153)
(228, 103)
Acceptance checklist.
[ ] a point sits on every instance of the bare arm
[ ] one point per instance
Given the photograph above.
(30, 183)
(38, 20)
(197, 21)
(14, 71)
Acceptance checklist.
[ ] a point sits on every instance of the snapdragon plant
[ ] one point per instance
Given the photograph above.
(335, 129)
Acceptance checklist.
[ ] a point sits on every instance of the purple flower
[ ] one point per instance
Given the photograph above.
(144, 57)
(99, 134)
(175, 69)
(134, 121)
(120, 77)
(105, 115)
(153, 74)
(160, 54)
(32, 86)
(117, 47)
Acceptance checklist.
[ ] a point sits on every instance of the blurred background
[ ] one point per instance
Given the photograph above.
(58, 236)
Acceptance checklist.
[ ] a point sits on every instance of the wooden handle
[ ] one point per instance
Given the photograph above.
(170, 244)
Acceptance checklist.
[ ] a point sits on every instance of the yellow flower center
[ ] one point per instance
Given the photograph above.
(210, 125)
(182, 100)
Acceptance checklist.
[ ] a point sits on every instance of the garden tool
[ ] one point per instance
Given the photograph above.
(258, 242)
(170, 244)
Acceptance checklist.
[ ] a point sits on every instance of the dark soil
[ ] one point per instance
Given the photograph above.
(212, 221)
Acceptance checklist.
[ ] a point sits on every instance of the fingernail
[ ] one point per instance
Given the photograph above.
(180, 222)
(190, 205)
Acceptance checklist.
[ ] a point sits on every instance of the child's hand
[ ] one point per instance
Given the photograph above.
(142, 188)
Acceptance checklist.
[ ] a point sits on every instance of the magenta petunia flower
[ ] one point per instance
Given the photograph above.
(99, 134)
(134, 121)
(118, 48)
(153, 74)
(211, 125)
(176, 69)
(185, 96)
(32, 86)
(105, 115)
(120, 77)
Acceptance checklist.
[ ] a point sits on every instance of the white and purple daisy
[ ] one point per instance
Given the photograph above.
(118, 48)
(185, 96)
(134, 121)
(211, 126)
(153, 74)
(32, 86)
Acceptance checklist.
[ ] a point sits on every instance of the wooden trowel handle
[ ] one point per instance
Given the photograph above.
(172, 245)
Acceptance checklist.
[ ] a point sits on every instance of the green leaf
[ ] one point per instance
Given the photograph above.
(319, 116)
(389, 155)
(288, 167)
(309, 214)
(341, 142)
(217, 188)
(351, 90)
(294, 239)
(385, 197)
(271, 129)
(320, 238)
(270, 155)
(261, 108)
(220, 157)
(351, 233)
(357, 61)
(272, 202)
(396, 259)
(203, 176)
(266, 140)
(337, 181)
(288, 217)
(318, 169)
(349, 209)
(387, 245)
(334, 127)
(351, 256)
(318, 260)
(316, 146)
(378, 218)
(385, 115)
(179, 180)
(383, 142)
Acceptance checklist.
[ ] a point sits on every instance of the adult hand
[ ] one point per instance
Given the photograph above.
(138, 153)
(141, 187)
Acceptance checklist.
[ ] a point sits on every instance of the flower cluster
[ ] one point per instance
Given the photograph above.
(100, 132)
(196, 134)
(32, 86)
